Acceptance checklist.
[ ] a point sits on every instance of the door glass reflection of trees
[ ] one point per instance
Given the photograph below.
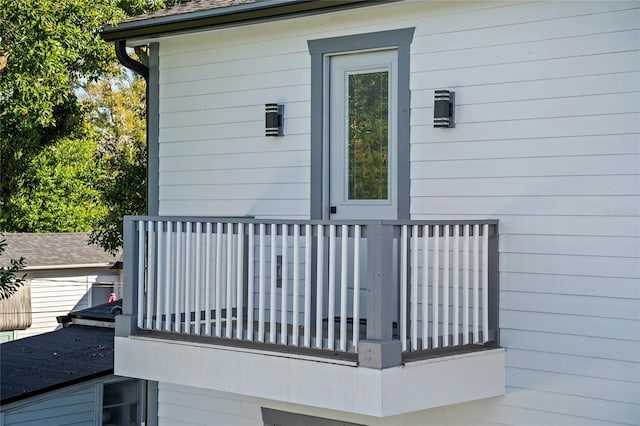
(368, 144)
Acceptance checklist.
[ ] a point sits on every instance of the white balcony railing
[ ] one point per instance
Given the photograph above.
(322, 285)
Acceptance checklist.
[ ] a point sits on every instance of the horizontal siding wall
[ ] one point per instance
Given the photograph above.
(546, 140)
(77, 407)
(53, 295)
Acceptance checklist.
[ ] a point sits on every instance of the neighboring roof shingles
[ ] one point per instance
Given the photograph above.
(61, 249)
(188, 7)
(105, 312)
(201, 14)
(49, 361)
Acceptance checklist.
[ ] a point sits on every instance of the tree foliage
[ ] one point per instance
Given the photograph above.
(52, 65)
(117, 113)
(10, 282)
(51, 48)
(59, 189)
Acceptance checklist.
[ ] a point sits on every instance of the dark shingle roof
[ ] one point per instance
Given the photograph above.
(49, 361)
(106, 312)
(61, 249)
(197, 15)
(190, 6)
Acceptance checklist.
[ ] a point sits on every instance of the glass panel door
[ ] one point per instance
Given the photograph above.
(362, 145)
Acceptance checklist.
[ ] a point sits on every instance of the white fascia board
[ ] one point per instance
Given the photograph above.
(380, 393)
(69, 266)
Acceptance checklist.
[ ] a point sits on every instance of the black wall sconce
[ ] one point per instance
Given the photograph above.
(274, 119)
(443, 109)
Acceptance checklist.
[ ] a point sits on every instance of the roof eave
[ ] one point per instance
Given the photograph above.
(70, 266)
(227, 16)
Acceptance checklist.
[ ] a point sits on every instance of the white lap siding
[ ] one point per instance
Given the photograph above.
(546, 140)
(56, 293)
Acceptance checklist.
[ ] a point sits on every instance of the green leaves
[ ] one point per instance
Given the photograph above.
(59, 191)
(49, 44)
(72, 121)
(116, 109)
(10, 282)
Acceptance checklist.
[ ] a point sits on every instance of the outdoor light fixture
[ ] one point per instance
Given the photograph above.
(274, 119)
(443, 109)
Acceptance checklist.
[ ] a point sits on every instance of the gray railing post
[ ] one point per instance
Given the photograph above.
(126, 324)
(494, 285)
(379, 350)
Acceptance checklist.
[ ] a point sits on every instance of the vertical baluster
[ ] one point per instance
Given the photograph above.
(343, 287)
(229, 282)
(445, 289)
(284, 309)
(219, 288)
(141, 267)
(250, 280)
(456, 284)
(356, 287)
(425, 287)
(414, 288)
(159, 287)
(197, 291)
(261, 283)
(178, 277)
(296, 284)
(436, 286)
(307, 285)
(319, 285)
(485, 283)
(152, 268)
(284, 290)
(167, 277)
(188, 230)
(240, 281)
(208, 259)
(403, 288)
(476, 289)
(465, 286)
(274, 285)
(332, 287)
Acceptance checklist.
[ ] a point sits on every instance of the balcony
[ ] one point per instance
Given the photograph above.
(369, 302)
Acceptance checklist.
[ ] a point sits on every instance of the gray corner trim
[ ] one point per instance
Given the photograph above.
(404, 132)
(317, 145)
(400, 39)
(126, 324)
(494, 285)
(153, 129)
(151, 403)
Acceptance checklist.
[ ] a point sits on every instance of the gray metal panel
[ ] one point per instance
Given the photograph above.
(400, 39)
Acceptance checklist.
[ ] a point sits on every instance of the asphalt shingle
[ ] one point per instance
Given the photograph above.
(59, 249)
(189, 7)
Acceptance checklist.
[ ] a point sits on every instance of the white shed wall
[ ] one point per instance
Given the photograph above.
(56, 293)
(546, 140)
